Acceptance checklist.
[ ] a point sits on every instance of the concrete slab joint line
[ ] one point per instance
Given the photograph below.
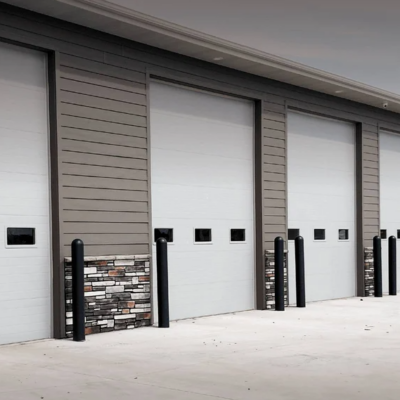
(110, 303)
(369, 271)
(270, 279)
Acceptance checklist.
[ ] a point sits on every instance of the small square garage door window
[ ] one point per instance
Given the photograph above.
(343, 234)
(238, 235)
(293, 234)
(202, 235)
(166, 233)
(319, 234)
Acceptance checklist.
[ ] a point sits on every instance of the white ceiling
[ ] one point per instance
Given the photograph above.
(335, 47)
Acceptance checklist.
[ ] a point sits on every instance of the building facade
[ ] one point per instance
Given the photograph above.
(116, 143)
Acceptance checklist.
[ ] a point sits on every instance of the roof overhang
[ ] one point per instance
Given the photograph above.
(102, 15)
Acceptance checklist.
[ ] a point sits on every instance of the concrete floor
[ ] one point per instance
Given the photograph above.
(345, 349)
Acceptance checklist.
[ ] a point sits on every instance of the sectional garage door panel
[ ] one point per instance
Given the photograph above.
(202, 177)
(390, 196)
(321, 203)
(25, 281)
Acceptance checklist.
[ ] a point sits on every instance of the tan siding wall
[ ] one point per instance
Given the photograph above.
(274, 172)
(370, 153)
(103, 131)
(104, 157)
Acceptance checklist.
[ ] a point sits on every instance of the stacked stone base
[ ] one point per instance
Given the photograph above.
(369, 271)
(117, 293)
(270, 279)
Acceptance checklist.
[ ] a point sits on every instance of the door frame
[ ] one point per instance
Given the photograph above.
(209, 87)
(57, 302)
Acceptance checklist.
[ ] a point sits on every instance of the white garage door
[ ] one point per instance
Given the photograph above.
(321, 205)
(202, 188)
(390, 198)
(24, 197)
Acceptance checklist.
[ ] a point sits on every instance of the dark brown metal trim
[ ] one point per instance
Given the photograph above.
(259, 222)
(57, 257)
(360, 281)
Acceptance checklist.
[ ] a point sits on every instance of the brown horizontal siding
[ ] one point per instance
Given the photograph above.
(88, 181)
(106, 70)
(270, 237)
(104, 138)
(371, 185)
(272, 133)
(105, 92)
(275, 143)
(104, 216)
(271, 185)
(274, 172)
(274, 116)
(96, 125)
(107, 205)
(104, 172)
(92, 113)
(371, 214)
(272, 210)
(101, 103)
(371, 230)
(78, 157)
(91, 239)
(105, 194)
(371, 181)
(100, 80)
(371, 207)
(102, 149)
(274, 177)
(371, 172)
(274, 168)
(118, 228)
(103, 118)
(370, 160)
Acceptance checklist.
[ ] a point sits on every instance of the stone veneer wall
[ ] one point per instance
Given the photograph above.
(270, 279)
(369, 271)
(117, 293)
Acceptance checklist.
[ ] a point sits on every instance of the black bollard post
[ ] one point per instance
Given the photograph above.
(279, 275)
(300, 279)
(377, 267)
(392, 266)
(162, 283)
(78, 294)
